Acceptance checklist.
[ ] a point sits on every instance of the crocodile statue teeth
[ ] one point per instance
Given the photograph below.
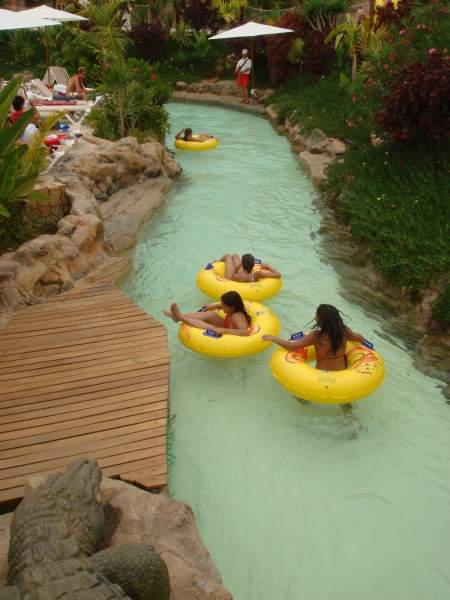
(55, 534)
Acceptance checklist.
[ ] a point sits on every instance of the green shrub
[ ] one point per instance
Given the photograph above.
(395, 201)
(441, 308)
(331, 103)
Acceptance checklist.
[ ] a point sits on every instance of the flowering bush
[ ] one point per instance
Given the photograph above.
(418, 104)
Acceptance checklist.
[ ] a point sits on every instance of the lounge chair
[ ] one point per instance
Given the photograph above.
(55, 75)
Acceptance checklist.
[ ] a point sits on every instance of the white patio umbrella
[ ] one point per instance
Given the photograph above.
(51, 15)
(250, 30)
(47, 12)
(10, 20)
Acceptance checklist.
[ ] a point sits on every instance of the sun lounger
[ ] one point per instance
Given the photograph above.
(55, 75)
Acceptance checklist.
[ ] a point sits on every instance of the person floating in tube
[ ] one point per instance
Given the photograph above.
(241, 268)
(187, 136)
(242, 71)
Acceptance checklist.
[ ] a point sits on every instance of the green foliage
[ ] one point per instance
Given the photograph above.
(296, 51)
(332, 103)
(321, 14)
(395, 201)
(20, 166)
(441, 308)
(132, 96)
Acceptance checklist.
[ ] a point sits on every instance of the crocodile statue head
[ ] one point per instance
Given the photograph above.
(56, 532)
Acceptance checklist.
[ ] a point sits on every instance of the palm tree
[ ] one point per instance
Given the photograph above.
(358, 39)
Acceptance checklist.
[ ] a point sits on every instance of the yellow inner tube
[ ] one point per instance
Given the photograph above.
(197, 146)
(212, 282)
(363, 375)
(264, 322)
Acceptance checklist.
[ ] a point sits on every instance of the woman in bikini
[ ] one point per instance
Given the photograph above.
(236, 321)
(329, 339)
(241, 269)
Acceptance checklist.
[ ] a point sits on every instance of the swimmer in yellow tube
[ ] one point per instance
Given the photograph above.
(186, 136)
(329, 339)
(236, 320)
(241, 269)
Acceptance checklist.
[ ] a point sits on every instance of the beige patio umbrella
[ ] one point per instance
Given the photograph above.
(51, 15)
(250, 30)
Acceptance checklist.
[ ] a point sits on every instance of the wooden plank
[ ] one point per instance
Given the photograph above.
(38, 326)
(99, 395)
(152, 456)
(103, 437)
(16, 356)
(152, 438)
(70, 424)
(135, 449)
(86, 337)
(71, 371)
(9, 424)
(104, 385)
(83, 374)
(158, 419)
(46, 386)
(53, 364)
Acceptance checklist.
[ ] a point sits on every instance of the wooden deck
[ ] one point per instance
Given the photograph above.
(83, 375)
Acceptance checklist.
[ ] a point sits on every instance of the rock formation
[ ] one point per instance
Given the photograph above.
(93, 172)
(56, 533)
(134, 517)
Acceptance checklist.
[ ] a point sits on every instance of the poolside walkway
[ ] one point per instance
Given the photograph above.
(83, 374)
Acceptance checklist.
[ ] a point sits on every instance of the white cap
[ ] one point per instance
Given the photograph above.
(245, 51)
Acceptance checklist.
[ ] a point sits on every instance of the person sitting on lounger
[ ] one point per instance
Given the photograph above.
(186, 136)
(75, 85)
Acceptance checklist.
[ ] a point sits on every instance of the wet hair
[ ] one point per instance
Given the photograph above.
(234, 301)
(187, 132)
(330, 323)
(18, 102)
(82, 70)
(248, 262)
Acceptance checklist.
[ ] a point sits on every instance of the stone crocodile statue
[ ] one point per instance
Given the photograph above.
(55, 534)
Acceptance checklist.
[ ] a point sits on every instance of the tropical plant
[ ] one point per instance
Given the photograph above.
(20, 165)
(321, 15)
(229, 10)
(296, 51)
(182, 34)
(347, 34)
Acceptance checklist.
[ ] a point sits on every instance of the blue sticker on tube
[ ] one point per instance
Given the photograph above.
(212, 334)
(209, 266)
(297, 336)
(368, 344)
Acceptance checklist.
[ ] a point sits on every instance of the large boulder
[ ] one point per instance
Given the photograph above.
(315, 165)
(93, 171)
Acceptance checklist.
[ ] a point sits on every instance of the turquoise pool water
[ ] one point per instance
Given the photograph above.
(294, 502)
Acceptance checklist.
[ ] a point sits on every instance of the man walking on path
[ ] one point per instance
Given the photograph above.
(243, 68)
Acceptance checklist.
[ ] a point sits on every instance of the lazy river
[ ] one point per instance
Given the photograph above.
(294, 501)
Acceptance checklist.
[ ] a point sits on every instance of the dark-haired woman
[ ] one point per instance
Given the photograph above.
(241, 268)
(236, 321)
(329, 339)
(186, 135)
